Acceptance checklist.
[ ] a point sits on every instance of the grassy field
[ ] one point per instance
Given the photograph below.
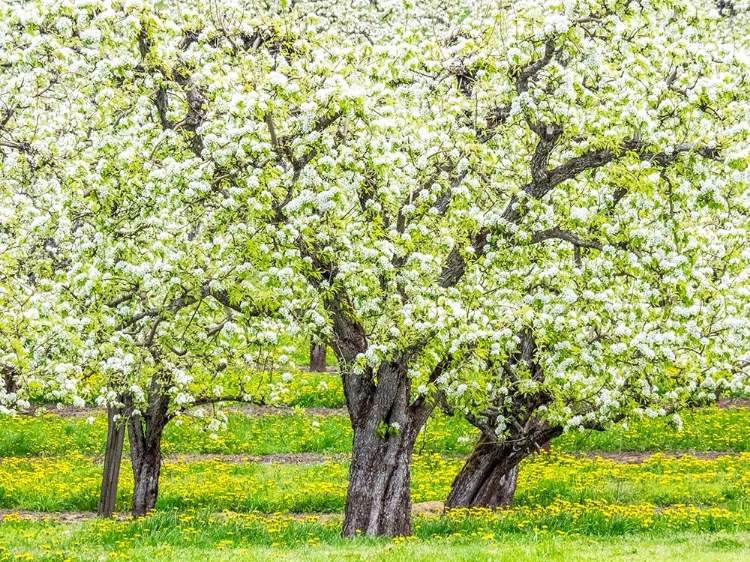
(161, 538)
(272, 487)
(71, 483)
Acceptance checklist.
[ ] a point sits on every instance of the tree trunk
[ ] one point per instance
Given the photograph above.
(145, 433)
(112, 461)
(146, 471)
(488, 487)
(506, 487)
(385, 423)
(378, 500)
(489, 477)
(9, 379)
(317, 358)
(478, 484)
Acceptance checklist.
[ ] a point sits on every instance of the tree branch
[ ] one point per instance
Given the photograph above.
(455, 264)
(559, 234)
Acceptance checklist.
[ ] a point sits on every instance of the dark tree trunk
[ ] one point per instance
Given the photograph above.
(146, 471)
(483, 482)
(378, 500)
(489, 477)
(317, 358)
(507, 485)
(112, 461)
(477, 484)
(145, 432)
(9, 379)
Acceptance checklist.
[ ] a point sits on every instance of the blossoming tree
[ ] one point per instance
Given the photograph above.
(636, 302)
(37, 334)
(160, 315)
(539, 216)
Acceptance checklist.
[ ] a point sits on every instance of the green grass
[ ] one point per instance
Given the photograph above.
(292, 432)
(195, 536)
(567, 508)
(708, 429)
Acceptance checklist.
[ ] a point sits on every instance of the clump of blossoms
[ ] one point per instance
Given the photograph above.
(535, 215)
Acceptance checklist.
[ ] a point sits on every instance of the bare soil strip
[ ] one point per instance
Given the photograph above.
(424, 508)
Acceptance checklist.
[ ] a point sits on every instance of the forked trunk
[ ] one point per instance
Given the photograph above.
(145, 434)
(385, 423)
(489, 476)
(378, 500)
(483, 481)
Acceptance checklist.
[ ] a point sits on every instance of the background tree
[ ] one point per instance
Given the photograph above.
(318, 357)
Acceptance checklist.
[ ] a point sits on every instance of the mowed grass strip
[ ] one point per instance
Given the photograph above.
(706, 429)
(560, 532)
(72, 484)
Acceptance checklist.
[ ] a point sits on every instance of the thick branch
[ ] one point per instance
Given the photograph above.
(559, 234)
(543, 183)
(529, 71)
(20, 146)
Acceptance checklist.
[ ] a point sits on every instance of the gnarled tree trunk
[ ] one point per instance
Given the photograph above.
(489, 477)
(378, 500)
(145, 433)
(386, 426)
(385, 421)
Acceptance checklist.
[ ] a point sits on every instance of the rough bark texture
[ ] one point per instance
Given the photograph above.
(488, 479)
(483, 484)
(506, 487)
(317, 358)
(112, 461)
(145, 433)
(385, 422)
(378, 500)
